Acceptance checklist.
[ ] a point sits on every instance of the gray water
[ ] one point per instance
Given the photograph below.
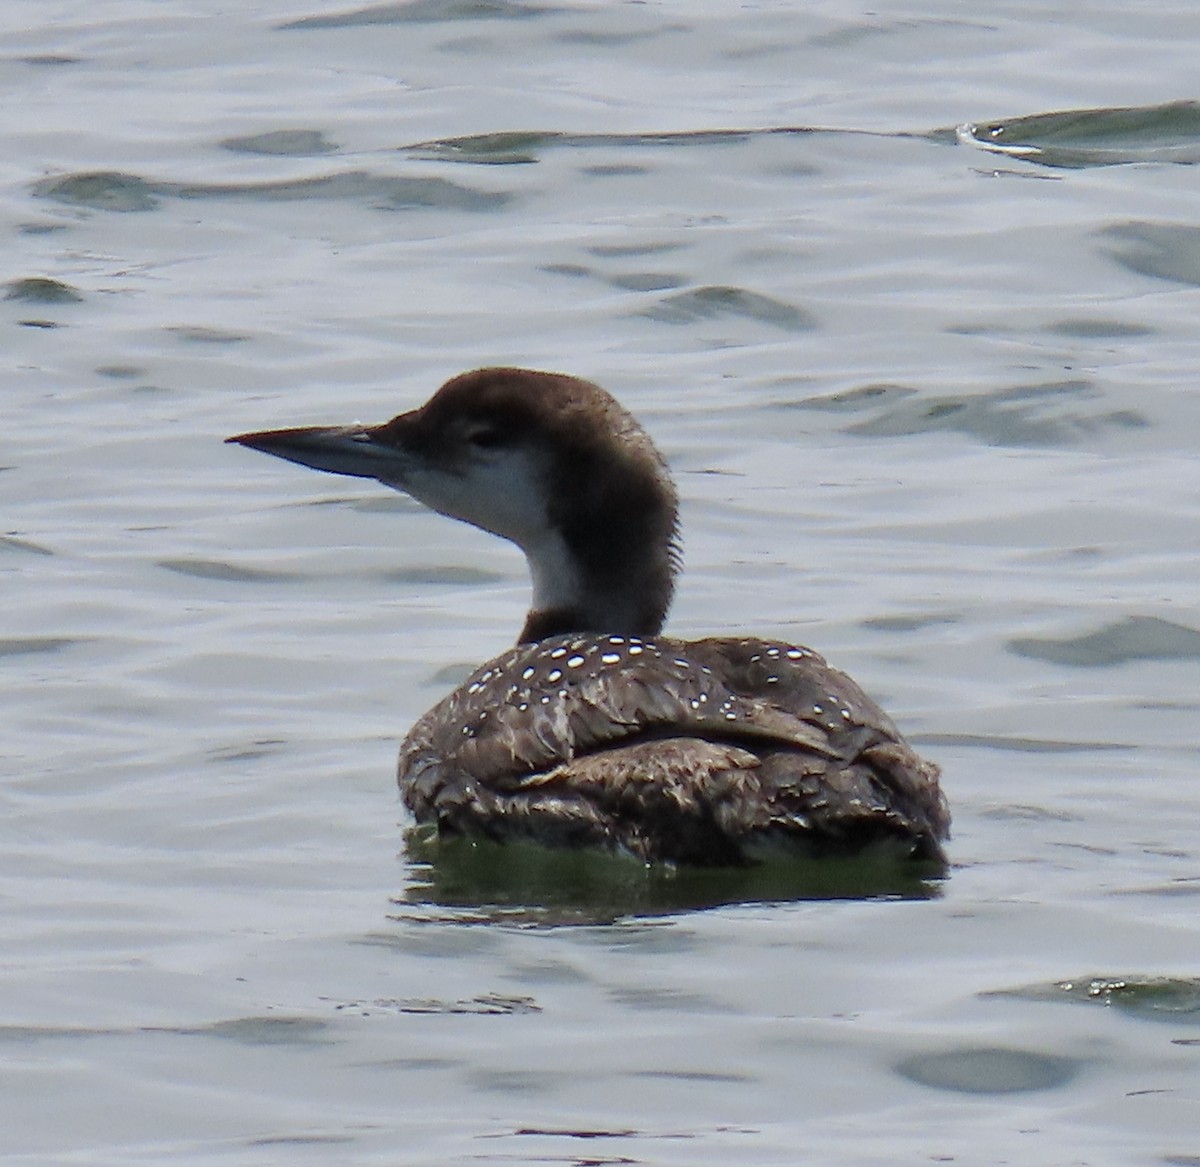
(908, 296)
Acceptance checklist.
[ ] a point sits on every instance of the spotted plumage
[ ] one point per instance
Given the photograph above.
(709, 751)
(594, 730)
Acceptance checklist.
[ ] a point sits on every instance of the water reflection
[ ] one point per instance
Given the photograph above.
(525, 883)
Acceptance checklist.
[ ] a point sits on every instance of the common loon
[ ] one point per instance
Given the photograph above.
(594, 730)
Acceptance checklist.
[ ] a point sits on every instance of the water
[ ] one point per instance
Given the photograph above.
(923, 359)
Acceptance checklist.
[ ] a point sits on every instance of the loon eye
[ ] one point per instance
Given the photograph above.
(486, 437)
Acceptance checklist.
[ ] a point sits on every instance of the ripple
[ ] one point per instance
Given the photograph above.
(911, 623)
(577, 271)
(1023, 745)
(220, 570)
(1015, 415)
(588, 37)
(422, 12)
(1024, 813)
(257, 1031)
(122, 372)
(1071, 139)
(28, 1034)
(305, 1140)
(129, 193)
(28, 645)
(1134, 638)
(1176, 888)
(718, 300)
(696, 1076)
(856, 400)
(450, 575)
(648, 281)
(247, 752)
(633, 250)
(287, 143)
(41, 290)
(485, 1004)
(1085, 328)
(525, 1083)
(102, 190)
(22, 546)
(199, 334)
(988, 1070)
(1165, 251)
(511, 147)
(647, 998)
(1166, 999)
(51, 59)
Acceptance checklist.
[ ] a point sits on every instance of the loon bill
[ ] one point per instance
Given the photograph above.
(594, 730)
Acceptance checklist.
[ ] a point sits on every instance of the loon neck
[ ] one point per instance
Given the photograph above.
(604, 552)
(615, 582)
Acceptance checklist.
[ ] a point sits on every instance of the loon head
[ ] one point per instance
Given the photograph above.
(552, 463)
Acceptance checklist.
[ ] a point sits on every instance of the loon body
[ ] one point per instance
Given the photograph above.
(594, 730)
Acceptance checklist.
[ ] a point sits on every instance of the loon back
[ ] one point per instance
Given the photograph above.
(709, 752)
(593, 731)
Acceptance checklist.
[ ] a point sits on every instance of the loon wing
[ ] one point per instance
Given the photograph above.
(669, 750)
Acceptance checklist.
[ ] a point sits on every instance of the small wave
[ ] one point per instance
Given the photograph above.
(1134, 638)
(1074, 139)
(111, 190)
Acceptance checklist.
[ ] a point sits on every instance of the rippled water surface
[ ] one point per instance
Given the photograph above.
(907, 295)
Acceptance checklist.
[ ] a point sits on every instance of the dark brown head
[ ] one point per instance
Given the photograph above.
(549, 461)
